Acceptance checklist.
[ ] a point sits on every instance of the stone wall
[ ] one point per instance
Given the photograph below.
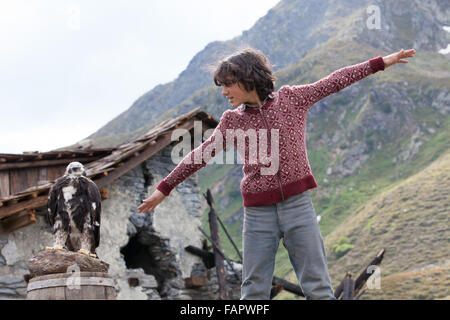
(145, 251)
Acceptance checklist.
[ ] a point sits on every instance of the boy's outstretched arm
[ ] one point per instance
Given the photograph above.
(309, 94)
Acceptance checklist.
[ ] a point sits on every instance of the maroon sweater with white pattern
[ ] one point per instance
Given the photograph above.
(285, 110)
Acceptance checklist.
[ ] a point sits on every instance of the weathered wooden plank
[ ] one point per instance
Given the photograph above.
(364, 275)
(18, 221)
(17, 180)
(87, 286)
(348, 287)
(57, 293)
(288, 286)
(110, 293)
(45, 163)
(4, 184)
(55, 172)
(214, 228)
(11, 209)
(80, 279)
(207, 256)
(276, 289)
(195, 282)
(21, 179)
(42, 175)
(73, 293)
(32, 177)
(339, 289)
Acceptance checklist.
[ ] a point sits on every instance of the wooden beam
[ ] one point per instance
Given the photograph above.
(230, 238)
(276, 289)
(44, 163)
(220, 267)
(348, 287)
(163, 141)
(365, 275)
(288, 286)
(207, 256)
(208, 260)
(104, 193)
(194, 282)
(339, 289)
(13, 223)
(4, 184)
(33, 203)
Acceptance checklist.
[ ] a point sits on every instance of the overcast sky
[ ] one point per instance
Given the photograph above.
(68, 67)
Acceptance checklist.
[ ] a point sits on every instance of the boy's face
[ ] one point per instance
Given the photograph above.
(237, 94)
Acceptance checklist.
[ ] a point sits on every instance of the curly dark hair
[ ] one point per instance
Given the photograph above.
(249, 67)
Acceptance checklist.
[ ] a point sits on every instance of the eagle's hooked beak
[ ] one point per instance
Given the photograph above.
(78, 172)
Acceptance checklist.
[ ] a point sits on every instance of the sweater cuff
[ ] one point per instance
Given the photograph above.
(164, 188)
(376, 64)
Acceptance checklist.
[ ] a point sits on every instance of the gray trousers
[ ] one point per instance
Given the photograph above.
(295, 221)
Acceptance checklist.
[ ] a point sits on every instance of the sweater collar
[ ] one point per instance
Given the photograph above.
(245, 106)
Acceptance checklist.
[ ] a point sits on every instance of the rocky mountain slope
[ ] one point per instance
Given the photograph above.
(286, 34)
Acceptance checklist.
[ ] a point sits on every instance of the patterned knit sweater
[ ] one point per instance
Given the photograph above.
(285, 110)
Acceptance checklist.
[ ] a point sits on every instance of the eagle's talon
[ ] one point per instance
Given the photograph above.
(55, 248)
(85, 252)
(92, 255)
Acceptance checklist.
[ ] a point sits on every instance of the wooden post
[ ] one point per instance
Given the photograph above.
(238, 276)
(348, 287)
(207, 257)
(288, 286)
(230, 238)
(362, 279)
(277, 282)
(214, 228)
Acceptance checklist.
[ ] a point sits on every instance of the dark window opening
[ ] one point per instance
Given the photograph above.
(152, 257)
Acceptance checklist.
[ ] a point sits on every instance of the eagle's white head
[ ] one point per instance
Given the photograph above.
(75, 169)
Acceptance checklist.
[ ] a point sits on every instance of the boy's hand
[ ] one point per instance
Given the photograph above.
(150, 203)
(398, 57)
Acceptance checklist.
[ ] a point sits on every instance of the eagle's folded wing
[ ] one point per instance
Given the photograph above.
(95, 200)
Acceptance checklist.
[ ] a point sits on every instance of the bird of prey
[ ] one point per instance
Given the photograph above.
(74, 210)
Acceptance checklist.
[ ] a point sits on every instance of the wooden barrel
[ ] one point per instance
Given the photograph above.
(72, 286)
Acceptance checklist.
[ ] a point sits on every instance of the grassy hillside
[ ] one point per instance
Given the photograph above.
(410, 220)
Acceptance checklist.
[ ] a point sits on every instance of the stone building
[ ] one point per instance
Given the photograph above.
(145, 251)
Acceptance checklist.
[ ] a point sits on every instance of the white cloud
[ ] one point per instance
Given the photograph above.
(75, 65)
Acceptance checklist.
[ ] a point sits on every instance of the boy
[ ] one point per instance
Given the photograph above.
(275, 205)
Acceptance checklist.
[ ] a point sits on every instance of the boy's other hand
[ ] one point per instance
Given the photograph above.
(150, 203)
(398, 57)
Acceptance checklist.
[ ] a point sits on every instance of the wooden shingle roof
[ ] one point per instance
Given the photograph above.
(103, 166)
